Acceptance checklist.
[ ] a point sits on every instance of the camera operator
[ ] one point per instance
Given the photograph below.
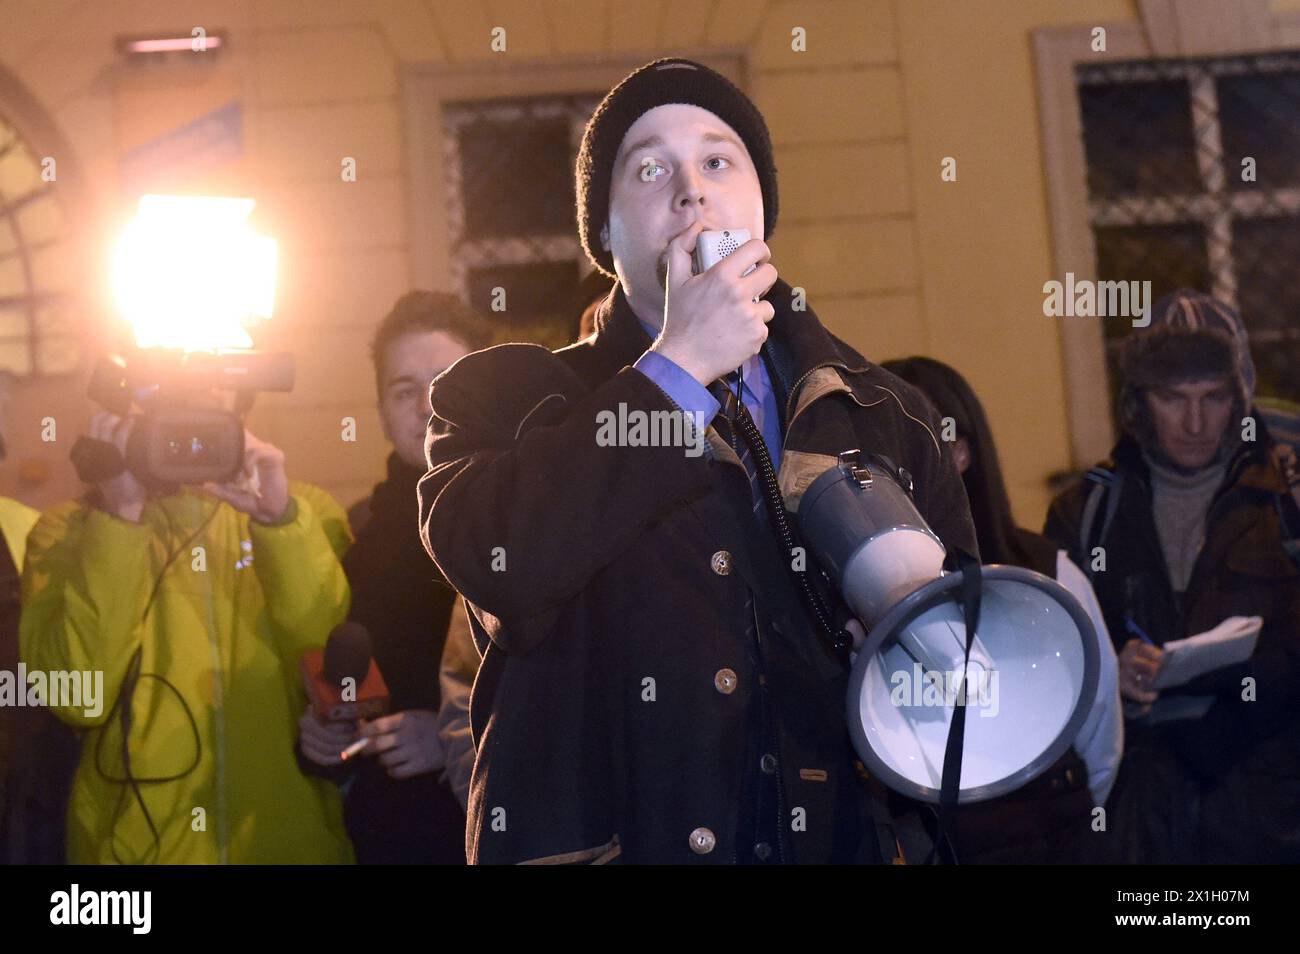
(196, 604)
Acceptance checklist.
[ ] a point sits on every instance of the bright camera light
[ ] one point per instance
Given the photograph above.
(189, 273)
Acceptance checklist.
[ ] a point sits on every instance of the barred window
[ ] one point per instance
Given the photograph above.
(1193, 177)
(510, 209)
(37, 334)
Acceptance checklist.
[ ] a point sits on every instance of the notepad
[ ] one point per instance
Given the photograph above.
(1175, 706)
(1231, 642)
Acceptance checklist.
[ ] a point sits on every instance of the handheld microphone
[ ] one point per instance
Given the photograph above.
(711, 247)
(343, 683)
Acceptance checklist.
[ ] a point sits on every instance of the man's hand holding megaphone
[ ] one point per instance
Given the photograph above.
(716, 321)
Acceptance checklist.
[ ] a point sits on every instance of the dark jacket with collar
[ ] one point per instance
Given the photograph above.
(614, 711)
(406, 607)
(1224, 787)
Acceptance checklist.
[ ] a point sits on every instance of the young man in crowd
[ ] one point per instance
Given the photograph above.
(400, 808)
(656, 686)
(1184, 527)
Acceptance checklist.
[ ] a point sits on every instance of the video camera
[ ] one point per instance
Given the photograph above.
(177, 436)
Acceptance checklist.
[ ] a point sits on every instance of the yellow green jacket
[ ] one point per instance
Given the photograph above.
(16, 521)
(226, 627)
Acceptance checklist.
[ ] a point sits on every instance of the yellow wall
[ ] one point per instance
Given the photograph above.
(983, 241)
(895, 261)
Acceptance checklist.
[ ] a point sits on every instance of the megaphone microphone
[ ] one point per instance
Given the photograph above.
(342, 680)
(1034, 645)
(711, 247)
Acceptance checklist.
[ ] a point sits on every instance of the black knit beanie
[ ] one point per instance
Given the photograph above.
(666, 81)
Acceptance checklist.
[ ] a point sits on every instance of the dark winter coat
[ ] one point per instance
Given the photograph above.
(398, 595)
(1224, 787)
(621, 710)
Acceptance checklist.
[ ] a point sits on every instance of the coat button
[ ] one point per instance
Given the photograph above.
(762, 851)
(702, 841)
(724, 680)
(767, 763)
(721, 563)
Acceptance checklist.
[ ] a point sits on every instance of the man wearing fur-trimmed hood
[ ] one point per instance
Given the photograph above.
(1186, 526)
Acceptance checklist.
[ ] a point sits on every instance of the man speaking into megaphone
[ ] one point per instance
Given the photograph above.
(664, 673)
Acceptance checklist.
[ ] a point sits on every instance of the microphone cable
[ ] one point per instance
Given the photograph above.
(743, 425)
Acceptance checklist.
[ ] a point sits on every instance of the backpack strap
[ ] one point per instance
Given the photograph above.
(1106, 488)
(1288, 510)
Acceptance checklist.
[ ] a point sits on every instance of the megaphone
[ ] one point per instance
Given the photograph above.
(1031, 676)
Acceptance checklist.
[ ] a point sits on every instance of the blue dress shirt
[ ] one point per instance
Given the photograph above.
(691, 396)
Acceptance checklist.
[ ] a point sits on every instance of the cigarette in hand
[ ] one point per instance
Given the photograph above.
(353, 749)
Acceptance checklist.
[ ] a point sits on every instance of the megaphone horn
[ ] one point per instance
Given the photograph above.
(1029, 680)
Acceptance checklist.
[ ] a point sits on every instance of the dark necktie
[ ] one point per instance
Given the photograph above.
(730, 427)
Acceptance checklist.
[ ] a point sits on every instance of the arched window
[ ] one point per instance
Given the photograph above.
(37, 270)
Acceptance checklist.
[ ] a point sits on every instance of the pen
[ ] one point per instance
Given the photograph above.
(1137, 631)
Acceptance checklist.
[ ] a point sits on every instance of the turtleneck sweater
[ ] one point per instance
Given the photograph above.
(1179, 503)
